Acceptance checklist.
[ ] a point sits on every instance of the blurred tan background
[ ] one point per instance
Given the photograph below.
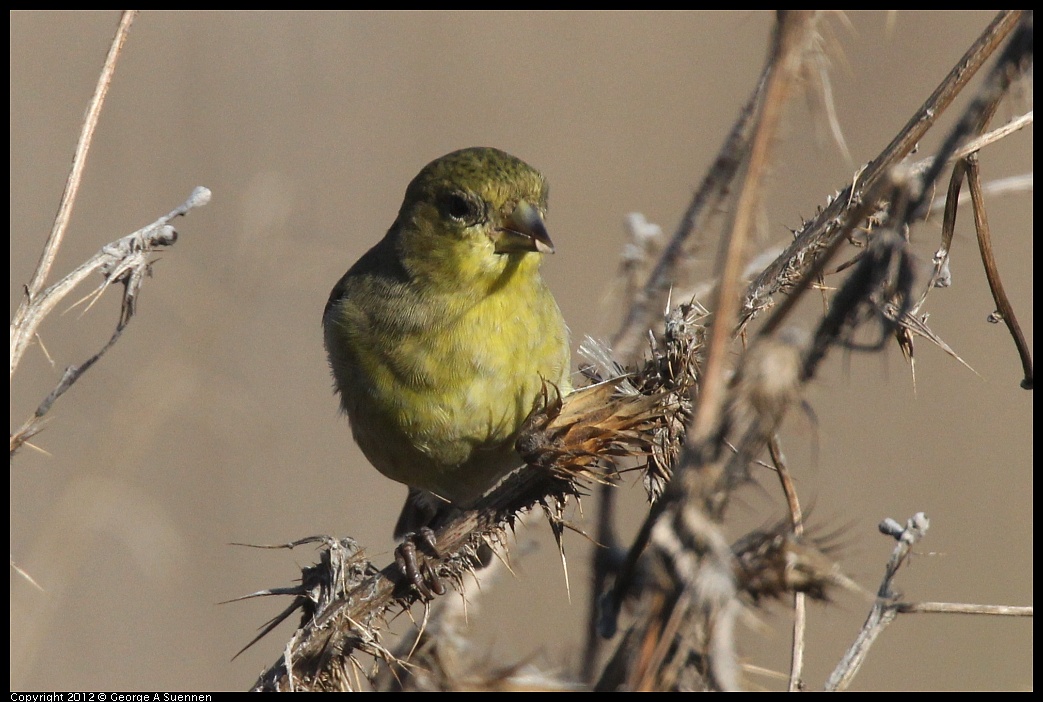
(213, 421)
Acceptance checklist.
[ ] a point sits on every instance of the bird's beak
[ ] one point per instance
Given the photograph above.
(523, 231)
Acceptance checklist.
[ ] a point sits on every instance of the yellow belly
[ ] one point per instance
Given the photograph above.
(436, 403)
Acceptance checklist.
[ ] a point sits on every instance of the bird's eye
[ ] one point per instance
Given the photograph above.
(459, 207)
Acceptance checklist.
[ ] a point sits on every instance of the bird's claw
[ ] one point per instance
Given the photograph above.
(416, 567)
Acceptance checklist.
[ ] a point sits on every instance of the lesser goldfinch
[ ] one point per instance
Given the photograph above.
(442, 335)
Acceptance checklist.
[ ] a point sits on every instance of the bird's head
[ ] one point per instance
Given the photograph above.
(475, 214)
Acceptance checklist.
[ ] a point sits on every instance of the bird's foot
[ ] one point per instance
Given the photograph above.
(415, 565)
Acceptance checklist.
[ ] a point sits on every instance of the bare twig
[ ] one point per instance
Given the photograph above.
(796, 683)
(962, 608)
(24, 322)
(883, 612)
(886, 608)
(127, 261)
(994, 136)
(1004, 308)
